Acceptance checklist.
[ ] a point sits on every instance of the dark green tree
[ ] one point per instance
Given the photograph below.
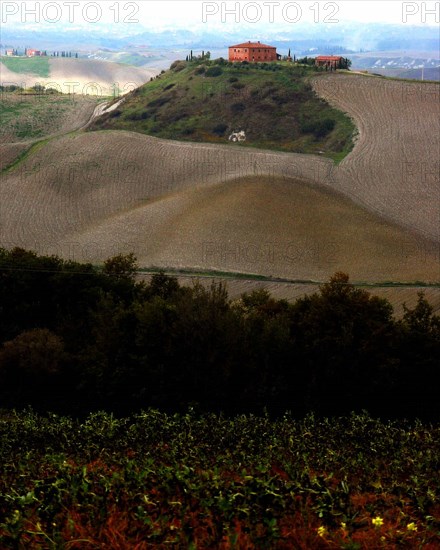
(122, 267)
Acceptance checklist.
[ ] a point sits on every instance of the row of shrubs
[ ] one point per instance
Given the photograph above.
(75, 338)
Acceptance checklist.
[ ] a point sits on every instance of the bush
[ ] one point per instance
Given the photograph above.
(233, 79)
(238, 107)
(163, 100)
(28, 363)
(279, 99)
(137, 115)
(319, 128)
(238, 85)
(214, 71)
(220, 129)
(178, 65)
(324, 127)
(200, 70)
(188, 131)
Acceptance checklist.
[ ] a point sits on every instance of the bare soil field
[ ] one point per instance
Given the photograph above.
(270, 227)
(83, 76)
(394, 168)
(9, 152)
(89, 196)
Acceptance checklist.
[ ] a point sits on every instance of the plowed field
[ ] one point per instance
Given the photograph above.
(375, 216)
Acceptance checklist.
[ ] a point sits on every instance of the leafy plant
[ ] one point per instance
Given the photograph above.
(202, 481)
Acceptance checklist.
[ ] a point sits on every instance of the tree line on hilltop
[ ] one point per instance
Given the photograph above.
(76, 338)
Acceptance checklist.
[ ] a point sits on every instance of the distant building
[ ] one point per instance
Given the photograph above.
(9, 53)
(329, 60)
(33, 53)
(253, 52)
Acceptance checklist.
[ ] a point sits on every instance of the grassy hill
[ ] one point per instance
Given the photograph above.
(28, 114)
(206, 101)
(27, 65)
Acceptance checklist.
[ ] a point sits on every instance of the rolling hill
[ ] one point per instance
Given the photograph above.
(90, 195)
(81, 76)
(206, 101)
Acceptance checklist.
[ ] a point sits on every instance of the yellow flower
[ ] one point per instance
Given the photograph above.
(377, 521)
(343, 525)
(322, 531)
(15, 517)
(411, 526)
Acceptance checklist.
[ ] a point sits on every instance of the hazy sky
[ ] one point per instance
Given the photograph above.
(386, 11)
(196, 14)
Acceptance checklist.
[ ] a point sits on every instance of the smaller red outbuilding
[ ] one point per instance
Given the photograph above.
(329, 60)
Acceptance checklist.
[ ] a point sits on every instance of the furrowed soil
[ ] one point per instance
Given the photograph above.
(223, 207)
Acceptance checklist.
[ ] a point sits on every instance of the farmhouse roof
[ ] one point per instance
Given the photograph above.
(252, 45)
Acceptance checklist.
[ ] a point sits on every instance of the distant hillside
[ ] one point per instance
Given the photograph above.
(82, 76)
(432, 74)
(273, 103)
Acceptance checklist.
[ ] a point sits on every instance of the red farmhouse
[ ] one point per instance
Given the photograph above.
(253, 51)
(33, 53)
(329, 60)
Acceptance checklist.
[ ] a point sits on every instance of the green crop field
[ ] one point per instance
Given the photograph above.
(35, 113)
(28, 65)
(157, 480)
